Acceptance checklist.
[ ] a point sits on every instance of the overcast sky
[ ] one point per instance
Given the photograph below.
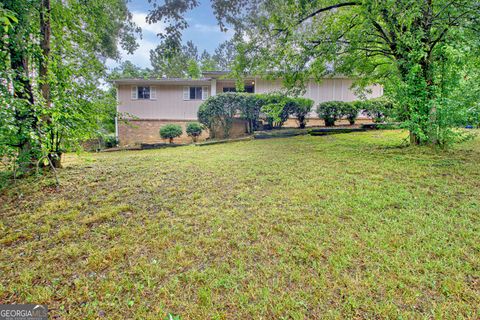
(203, 31)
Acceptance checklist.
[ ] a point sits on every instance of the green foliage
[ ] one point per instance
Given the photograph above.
(110, 141)
(41, 124)
(175, 62)
(127, 70)
(350, 111)
(379, 109)
(217, 112)
(331, 111)
(194, 130)
(300, 108)
(7, 18)
(276, 108)
(170, 131)
(425, 54)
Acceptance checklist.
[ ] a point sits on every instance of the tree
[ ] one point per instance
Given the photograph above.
(418, 50)
(175, 62)
(53, 60)
(225, 55)
(408, 46)
(128, 70)
(207, 63)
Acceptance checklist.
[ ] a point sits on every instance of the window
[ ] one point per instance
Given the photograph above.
(248, 89)
(143, 92)
(195, 93)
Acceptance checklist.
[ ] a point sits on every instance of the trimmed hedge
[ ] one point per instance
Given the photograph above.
(379, 109)
(194, 130)
(218, 111)
(170, 131)
(331, 111)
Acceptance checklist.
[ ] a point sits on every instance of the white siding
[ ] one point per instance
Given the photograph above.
(327, 90)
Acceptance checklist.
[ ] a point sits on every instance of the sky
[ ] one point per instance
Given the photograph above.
(203, 31)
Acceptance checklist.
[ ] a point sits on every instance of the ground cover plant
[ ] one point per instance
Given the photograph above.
(344, 226)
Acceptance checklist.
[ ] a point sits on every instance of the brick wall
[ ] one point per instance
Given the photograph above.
(135, 132)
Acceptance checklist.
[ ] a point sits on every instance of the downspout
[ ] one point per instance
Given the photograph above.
(116, 116)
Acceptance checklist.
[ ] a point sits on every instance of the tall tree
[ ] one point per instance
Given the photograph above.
(54, 60)
(207, 63)
(174, 62)
(225, 54)
(409, 46)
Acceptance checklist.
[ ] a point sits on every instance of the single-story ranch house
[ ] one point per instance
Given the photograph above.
(148, 104)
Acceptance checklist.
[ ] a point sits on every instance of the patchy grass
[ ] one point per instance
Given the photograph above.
(344, 226)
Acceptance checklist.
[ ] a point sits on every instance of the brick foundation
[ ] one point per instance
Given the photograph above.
(135, 132)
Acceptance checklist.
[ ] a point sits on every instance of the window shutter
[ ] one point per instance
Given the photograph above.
(204, 93)
(134, 93)
(186, 93)
(153, 93)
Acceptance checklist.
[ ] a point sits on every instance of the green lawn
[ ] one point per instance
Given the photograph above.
(344, 226)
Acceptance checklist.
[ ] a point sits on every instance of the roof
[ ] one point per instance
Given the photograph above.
(205, 80)
(177, 81)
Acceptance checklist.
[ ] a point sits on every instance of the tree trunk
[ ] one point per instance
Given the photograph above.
(22, 90)
(45, 31)
(55, 159)
(414, 140)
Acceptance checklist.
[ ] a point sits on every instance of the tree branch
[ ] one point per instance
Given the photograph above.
(338, 5)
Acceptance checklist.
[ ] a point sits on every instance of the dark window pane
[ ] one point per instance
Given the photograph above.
(195, 93)
(229, 89)
(192, 93)
(143, 92)
(249, 89)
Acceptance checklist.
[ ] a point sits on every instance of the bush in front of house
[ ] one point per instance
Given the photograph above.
(275, 107)
(379, 109)
(170, 131)
(300, 108)
(217, 112)
(350, 111)
(331, 111)
(194, 130)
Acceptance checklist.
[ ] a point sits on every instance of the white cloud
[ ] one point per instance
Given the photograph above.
(140, 19)
(140, 57)
(210, 28)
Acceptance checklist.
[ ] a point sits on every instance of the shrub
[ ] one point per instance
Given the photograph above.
(218, 112)
(171, 131)
(300, 108)
(378, 109)
(110, 141)
(350, 111)
(194, 129)
(275, 108)
(330, 111)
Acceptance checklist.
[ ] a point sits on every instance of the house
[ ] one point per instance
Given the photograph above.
(148, 104)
